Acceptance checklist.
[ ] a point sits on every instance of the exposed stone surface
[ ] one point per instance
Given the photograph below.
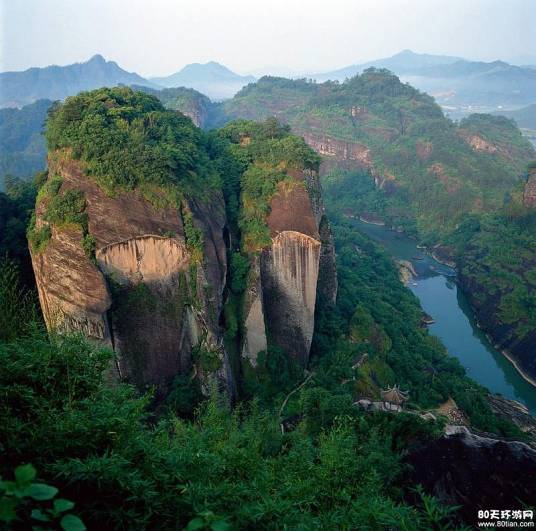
(424, 149)
(480, 144)
(72, 290)
(146, 297)
(255, 329)
(476, 472)
(514, 411)
(339, 149)
(529, 194)
(291, 272)
(406, 271)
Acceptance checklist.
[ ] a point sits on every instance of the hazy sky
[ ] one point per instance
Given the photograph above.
(156, 37)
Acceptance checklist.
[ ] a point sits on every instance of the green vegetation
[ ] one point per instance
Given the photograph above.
(220, 470)
(22, 145)
(38, 238)
(127, 141)
(23, 497)
(433, 176)
(186, 100)
(294, 453)
(67, 209)
(497, 257)
(89, 245)
(62, 209)
(377, 315)
(193, 236)
(16, 206)
(264, 153)
(209, 360)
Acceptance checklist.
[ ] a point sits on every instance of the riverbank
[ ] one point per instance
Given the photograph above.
(441, 255)
(454, 317)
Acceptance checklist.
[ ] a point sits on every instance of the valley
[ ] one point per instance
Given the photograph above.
(454, 322)
(204, 333)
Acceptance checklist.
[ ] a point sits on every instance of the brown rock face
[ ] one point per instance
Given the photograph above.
(341, 154)
(284, 280)
(72, 290)
(339, 149)
(529, 195)
(146, 296)
(480, 144)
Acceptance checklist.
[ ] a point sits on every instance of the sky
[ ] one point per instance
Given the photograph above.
(158, 37)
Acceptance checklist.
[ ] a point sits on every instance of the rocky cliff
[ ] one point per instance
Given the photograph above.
(289, 269)
(140, 266)
(475, 472)
(284, 279)
(143, 292)
(519, 349)
(287, 238)
(129, 246)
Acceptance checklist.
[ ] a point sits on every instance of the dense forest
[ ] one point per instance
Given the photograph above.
(428, 166)
(22, 146)
(293, 451)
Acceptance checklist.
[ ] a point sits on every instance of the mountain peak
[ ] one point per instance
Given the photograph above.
(407, 52)
(97, 58)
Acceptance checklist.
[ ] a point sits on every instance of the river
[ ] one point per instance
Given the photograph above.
(436, 289)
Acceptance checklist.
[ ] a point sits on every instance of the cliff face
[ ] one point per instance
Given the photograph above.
(529, 195)
(520, 350)
(143, 293)
(475, 472)
(132, 230)
(284, 280)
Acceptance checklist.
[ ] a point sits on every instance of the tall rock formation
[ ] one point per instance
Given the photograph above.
(529, 194)
(296, 262)
(131, 233)
(143, 278)
(143, 293)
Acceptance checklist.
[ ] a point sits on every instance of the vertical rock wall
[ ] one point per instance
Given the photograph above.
(142, 294)
(284, 284)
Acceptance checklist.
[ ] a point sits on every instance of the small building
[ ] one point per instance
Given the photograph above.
(393, 395)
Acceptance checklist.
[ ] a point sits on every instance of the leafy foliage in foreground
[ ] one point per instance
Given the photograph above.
(24, 502)
(218, 469)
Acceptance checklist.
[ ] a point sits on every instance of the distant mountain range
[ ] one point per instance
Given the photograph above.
(404, 62)
(458, 84)
(212, 79)
(58, 82)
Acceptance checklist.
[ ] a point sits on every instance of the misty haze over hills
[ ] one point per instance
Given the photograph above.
(459, 85)
(58, 82)
(212, 79)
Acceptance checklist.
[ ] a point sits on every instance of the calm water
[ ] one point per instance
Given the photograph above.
(454, 322)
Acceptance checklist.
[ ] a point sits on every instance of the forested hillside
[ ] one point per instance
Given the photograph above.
(284, 443)
(22, 145)
(432, 170)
